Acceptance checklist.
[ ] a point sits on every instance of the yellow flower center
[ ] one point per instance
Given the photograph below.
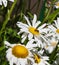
(57, 4)
(20, 51)
(57, 31)
(34, 31)
(53, 43)
(46, 46)
(37, 58)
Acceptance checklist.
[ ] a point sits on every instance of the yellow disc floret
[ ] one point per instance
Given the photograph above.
(57, 4)
(53, 43)
(20, 51)
(37, 58)
(57, 31)
(33, 30)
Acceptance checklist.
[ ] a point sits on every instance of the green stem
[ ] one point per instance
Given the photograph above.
(30, 14)
(8, 16)
(52, 56)
(49, 11)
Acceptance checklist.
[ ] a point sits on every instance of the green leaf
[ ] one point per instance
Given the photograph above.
(1, 48)
(52, 16)
(42, 12)
(53, 54)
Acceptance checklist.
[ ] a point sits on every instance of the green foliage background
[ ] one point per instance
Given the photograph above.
(14, 12)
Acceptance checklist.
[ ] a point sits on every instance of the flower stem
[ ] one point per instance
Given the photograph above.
(8, 17)
(49, 11)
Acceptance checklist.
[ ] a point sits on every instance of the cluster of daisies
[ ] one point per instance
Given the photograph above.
(40, 39)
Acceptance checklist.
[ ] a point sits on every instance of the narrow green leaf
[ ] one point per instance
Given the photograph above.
(42, 12)
(1, 48)
(52, 16)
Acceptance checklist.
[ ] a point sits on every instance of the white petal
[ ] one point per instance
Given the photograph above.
(23, 39)
(20, 32)
(41, 52)
(11, 62)
(58, 22)
(27, 20)
(18, 63)
(52, 28)
(42, 26)
(30, 44)
(34, 20)
(19, 24)
(30, 36)
(45, 57)
(39, 43)
(5, 2)
(23, 35)
(44, 39)
(9, 54)
(11, 0)
(7, 43)
(31, 59)
(41, 63)
(45, 30)
(37, 23)
(0, 2)
(46, 63)
(57, 6)
(22, 61)
(50, 49)
(50, 34)
(15, 59)
(24, 30)
(35, 64)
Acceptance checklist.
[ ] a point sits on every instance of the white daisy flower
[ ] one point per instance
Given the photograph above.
(40, 60)
(57, 5)
(4, 2)
(54, 29)
(31, 29)
(51, 44)
(18, 54)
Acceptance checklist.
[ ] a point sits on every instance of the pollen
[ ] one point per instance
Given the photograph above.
(57, 31)
(37, 58)
(34, 31)
(20, 51)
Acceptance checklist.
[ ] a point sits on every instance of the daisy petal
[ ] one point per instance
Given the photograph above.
(34, 20)
(5, 2)
(27, 20)
(11, 0)
(11, 62)
(36, 25)
(45, 58)
(58, 22)
(0, 2)
(30, 36)
(42, 26)
(30, 44)
(19, 24)
(23, 39)
(7, 43)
